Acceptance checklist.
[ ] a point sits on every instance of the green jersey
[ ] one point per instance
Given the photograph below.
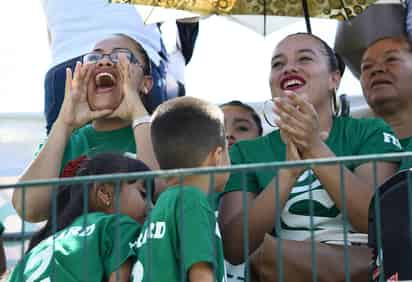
(87, 250)
(407, 147)
(89, 142)
(180, 231)
(348, 137)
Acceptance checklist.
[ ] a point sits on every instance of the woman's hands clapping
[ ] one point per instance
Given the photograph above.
(299, 122)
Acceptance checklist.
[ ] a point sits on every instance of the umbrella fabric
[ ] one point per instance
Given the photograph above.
(332, 9)
(354, 36)
(261, 16)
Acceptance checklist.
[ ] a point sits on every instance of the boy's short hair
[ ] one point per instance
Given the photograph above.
(185, 130)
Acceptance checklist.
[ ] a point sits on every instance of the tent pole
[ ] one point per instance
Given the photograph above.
(306, 15)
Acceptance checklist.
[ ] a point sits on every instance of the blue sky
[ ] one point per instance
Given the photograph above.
(230, 61)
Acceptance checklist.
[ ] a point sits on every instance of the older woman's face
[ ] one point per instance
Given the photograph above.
(300, 64)
(386, 73)
(104, 88)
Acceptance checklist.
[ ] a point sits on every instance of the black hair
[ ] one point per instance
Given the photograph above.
(147, 100)
(185, 130)
(335, 61)
(70, 198)
(146, 60)
(252, 111)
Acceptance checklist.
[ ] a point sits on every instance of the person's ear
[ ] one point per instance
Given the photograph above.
(217, 157)
(147, 84)
(104, 195)
(334, 80)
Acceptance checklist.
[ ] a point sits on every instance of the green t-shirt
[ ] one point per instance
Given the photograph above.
(76, 249)
(180, 232)
(86, 141)
(347, 137)
(407, 147)
(89, 142)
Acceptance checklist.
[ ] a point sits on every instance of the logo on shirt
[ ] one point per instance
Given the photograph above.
(391, 139)
(155, 230)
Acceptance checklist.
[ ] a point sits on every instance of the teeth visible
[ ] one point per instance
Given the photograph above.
(104, 74)
(105, 79)
(293, 82)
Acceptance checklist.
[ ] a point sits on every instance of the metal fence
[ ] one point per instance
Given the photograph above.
(274, 167)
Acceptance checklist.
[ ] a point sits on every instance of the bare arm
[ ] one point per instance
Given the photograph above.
(132, 108)
(300, 120)
(75, 112)
(359, 186)
(330, 261)
(261, 220)
(201, 272)
(3, 263)
(122, 274)
(45, 166)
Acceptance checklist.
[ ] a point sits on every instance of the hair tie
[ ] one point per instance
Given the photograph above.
(71, 168)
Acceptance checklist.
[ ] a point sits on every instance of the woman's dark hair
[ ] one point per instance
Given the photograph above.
(148, 102)
(70, 198)
(146, 60)
(334, 59)
(252, 111)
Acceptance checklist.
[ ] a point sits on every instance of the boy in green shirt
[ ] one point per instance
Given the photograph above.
(180, 240)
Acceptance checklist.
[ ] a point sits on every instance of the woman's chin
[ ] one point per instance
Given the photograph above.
(104, 105)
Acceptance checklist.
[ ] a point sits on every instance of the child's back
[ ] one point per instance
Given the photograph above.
(183, 231)
(180, 240)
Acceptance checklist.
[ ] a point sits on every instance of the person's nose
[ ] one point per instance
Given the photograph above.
(377, 68)
(105, 61)
(230, 137)
(290, 68)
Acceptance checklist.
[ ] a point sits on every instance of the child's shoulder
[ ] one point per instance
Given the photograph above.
(190, 195)
(102, 219)
(178, 190)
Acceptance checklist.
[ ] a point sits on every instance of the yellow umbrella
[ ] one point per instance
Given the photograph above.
(247, 11)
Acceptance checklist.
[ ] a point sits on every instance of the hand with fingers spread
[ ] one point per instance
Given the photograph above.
(131, 106)
(299, 120)
(75, 111)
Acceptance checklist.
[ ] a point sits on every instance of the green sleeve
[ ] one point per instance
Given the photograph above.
(238, 180)
(1, 228)
(378, 138)
(195, 225)
(115, 252)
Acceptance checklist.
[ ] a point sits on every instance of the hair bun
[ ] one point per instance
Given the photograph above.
(71, 168)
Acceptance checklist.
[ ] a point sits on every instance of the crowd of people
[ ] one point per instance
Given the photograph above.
(171, 229)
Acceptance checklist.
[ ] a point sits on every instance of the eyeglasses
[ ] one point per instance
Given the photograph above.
(94, 57)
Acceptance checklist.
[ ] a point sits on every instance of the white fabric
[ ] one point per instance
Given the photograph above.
(235, 273)
(77, 25)
(176, 64)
